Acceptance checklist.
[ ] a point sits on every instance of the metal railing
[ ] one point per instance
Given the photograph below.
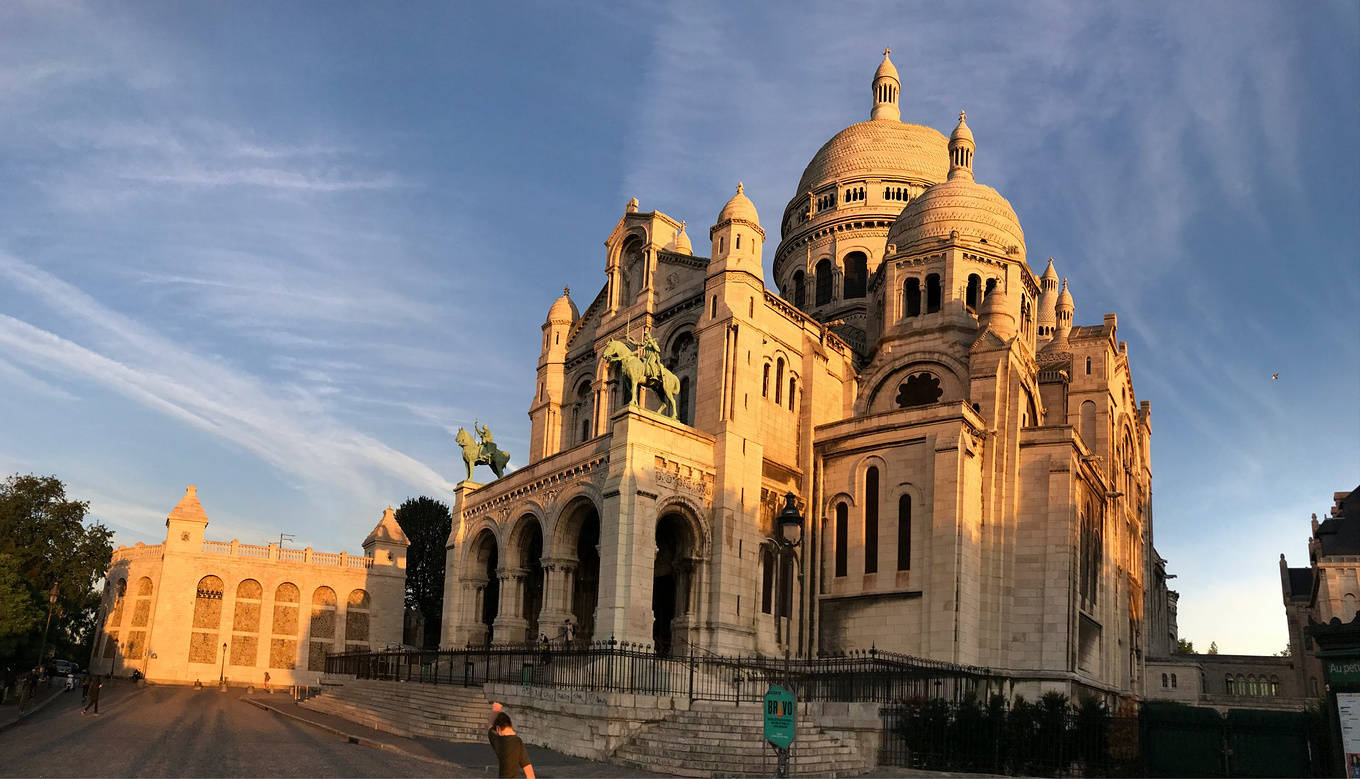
(611, 666)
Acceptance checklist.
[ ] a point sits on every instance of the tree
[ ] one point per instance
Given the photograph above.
(45, 540)
(426, 523)
(1288, 651)
(1184, 647)
(1213, 647)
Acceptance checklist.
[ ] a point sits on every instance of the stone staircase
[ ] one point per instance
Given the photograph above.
(720, 739)
(444, 711)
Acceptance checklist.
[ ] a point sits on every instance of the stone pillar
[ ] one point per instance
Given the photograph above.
(510, 624)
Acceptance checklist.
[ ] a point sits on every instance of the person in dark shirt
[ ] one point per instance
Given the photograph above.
(510, 751)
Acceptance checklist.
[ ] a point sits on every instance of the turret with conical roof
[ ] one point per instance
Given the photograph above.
(545, 408)
(961, 148)
(1046, 319)
(387, 543)
(186, 522)
(886, 88)
(737, 237)
(1064, 309)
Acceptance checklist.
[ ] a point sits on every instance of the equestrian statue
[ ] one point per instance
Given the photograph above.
(484, 452)
(645, 370)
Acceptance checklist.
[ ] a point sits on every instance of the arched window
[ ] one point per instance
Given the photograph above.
(856, 274)
(141, 618)
(991, 285)
(1229, 685)
(1088, 424)
(904, 533)
(919, 390)
(932, 293)
(970, 298)
(1088, 366)
(356, 621)
(207, 620)
(283, 644)
(799, 289)
(1164, 680)
(585, 412)
(824, 282)
(778, 380)
(871, 520)
(842, 538)
(765, 382)
(913, 297)
(1173, 681)
(245, 624)
(322, 628)
(766, 580)
(793, 384)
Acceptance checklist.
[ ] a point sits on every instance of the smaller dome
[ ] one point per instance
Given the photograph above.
(973, 211)
(996, 314)
(886, 69)
(563, 310)
(680, 243)
(1065, 298)
(740, 208)
(961, 132)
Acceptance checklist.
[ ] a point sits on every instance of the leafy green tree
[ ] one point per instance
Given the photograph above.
(1184, 647)
(426, 523)
(1213, 647)
(1288, 651)
(45, 540)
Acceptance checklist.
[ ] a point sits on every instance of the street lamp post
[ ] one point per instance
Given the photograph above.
(51, 602)
(788, 539)
(222, 674)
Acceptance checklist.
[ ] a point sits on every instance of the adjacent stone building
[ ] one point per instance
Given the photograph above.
(973, 466)
(192, 609)
(1325, 596)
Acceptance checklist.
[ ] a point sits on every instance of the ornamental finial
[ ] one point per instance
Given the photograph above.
(740, 187)
(566, 291)
(887, 50)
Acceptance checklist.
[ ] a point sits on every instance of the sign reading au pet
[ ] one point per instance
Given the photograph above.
(779, 712)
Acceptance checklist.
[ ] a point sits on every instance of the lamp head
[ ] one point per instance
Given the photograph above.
(790, 521)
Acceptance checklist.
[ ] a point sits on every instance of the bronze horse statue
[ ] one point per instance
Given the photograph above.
(484, 452)
(634, 371)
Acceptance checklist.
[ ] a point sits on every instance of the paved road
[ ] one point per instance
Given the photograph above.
(175, 731)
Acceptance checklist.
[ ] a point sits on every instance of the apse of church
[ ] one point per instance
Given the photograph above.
(973, 467)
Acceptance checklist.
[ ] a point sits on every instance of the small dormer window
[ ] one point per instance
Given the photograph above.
(738, 240)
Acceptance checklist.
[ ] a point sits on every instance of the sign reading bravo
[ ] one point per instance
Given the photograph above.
(779, 716)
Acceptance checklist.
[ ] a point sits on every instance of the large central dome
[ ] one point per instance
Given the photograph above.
(879, 148)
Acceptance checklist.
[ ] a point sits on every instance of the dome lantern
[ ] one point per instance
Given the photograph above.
(961, 147)
(1064, 310)
(886, 87)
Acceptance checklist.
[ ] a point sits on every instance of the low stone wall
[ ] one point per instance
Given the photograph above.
(581, 723)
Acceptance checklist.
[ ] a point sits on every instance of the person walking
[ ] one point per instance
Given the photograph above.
(95, 684)
(25, 691)
(509, 748)
(84, 687)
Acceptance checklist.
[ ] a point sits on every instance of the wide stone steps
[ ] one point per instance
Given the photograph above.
(729, 741)
(448, 712)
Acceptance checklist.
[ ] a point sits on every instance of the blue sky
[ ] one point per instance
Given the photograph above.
(282, 251)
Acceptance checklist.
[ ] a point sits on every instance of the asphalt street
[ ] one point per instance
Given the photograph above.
(176, 731)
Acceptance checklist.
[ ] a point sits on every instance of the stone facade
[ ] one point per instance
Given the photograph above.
(974, 469)
(169, 609)
(1327, 590)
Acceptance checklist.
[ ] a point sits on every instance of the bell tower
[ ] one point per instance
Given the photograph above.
(545, 412)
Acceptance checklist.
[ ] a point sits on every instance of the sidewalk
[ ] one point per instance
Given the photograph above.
(9, 712)
(473, 758)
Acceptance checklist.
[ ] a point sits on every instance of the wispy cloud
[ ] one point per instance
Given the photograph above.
(290, 432)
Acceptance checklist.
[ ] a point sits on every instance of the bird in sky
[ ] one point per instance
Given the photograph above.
(1275, 376)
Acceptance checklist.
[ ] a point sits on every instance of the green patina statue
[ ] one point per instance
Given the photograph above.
(645, 371)
(484, 452)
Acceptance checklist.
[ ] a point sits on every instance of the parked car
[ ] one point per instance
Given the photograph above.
(62, 668)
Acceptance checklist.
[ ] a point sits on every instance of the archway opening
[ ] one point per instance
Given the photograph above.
(670, 579)
(488, 559)
(586, 585)
(531, 560)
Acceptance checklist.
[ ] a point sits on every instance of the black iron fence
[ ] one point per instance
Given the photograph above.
(1049, 737)
(635, 668)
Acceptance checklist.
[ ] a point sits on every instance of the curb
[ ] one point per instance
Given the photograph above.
(353, 739)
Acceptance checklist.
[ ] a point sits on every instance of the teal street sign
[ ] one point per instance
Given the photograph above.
(779, 712)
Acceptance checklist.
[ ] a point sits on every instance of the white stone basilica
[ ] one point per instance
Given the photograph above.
(973, 467)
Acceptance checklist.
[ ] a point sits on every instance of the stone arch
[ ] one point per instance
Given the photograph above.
(284, 627)
(886, 388)
(245, 624)
(676, 574)
(682, 358)
(207, 620)
(575, 552)
(582, 409)
(357, 605)
(825, 282)
(321, 628)
(523, 564)
(481, 572)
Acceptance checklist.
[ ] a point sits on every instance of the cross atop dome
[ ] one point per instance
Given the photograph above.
(886, 51)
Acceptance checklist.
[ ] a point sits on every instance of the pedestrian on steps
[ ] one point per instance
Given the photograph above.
(510, 751)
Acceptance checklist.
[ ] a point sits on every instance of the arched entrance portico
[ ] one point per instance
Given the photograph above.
(522, 580)
(483, 585)
(674, 583)
(573, 575)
